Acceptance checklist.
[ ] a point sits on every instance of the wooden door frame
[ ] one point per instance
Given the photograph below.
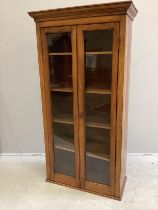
(47, 112)
(87, 185)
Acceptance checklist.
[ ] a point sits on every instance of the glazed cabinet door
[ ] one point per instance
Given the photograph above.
(97, 76)
(61, 114)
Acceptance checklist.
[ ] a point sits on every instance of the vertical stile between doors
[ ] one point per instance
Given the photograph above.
(75, 102)
(81, 93)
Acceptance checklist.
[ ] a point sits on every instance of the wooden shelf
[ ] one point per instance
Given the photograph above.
(88, 90)
(99, 53)
(94, 149)
(60, 53)
(101, 156)
(98, 91)
(69, 121)
(98, 125)
(63, 120)
(87, 53)
(62, 89)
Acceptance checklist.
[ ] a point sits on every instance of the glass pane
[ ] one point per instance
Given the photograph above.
(97, 155)
(98, 40)
(59, 42)
(98, 108)
(64, 149)
(98, 79)
(60, 71)
(98, 71)
(62, 105)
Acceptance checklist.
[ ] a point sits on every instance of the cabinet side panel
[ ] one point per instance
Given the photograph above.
(126, 97)
(42, 85)
(122, 105)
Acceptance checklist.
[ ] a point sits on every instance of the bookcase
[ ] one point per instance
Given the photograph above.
(84, 61)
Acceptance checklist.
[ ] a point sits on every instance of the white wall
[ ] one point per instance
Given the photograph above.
(21, 127)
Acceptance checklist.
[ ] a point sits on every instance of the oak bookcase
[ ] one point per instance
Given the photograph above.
(84, 60)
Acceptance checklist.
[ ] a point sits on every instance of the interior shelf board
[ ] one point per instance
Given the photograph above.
(62, 89)
(60, 53)
(70, 148)
(98, 91)
(64, 148)
(87, 53)
(90, 154)
(98, 125)
(88, 124)
(88, 90)
(101, 157)
(99, 53)
(63, 120)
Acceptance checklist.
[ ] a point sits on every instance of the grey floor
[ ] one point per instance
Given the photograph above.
(22, 187)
